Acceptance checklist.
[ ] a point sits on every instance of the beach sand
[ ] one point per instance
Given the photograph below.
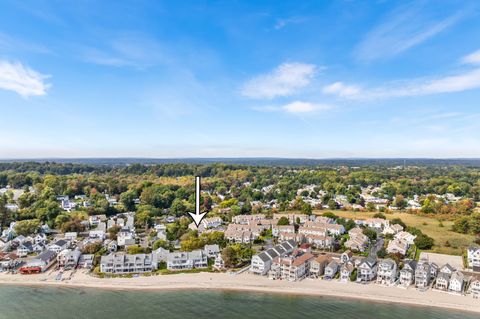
(248, 282)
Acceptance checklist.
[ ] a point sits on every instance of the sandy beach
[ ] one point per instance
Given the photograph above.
(247, 282)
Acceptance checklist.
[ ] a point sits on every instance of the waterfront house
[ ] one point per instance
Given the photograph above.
(357, 242)
(387, 272)
(443, 277)
(475, 288)
(187, 260)
(331, 270)
(219, 264)
(24, 249)
(40, 263)
(40, 238)
(367, 269)
(457, 282)
(317, 265)
(261, 262)
(422, 274)
(86, 261)
(473, 258)
(407, 274)
(212, 251)
(291, 268)
(68, 259)
(117, 263)
(392, 229)
(346, 271)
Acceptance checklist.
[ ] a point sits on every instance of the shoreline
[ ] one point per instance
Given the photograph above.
(247, 282)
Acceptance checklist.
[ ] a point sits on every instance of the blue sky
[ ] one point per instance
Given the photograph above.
(313, 79)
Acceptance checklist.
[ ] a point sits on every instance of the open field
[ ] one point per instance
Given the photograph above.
(428, 225)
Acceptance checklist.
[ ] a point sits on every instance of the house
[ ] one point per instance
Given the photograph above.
(276, 229)
(442, 281)
(94, 220)
(346, 257)
(475, 288)
(40, 238)
(261, 263)
(8, 261)
(357, 242)
(24, 249)
(86, 261)
(392, 229)
(407, 274)
(97, 234)
(58, 246)
(422, 274)
(397, 246)
(405, 236)
(117, 263)
(212, 251)
(377, 223)
(219, 264)
(346, 271)
(38, 248)
(125, 237)
(291, 268)
(387, 272)
(317, 265)
(68, 259)
(39, 264)
(320, 241)
(473, 258)
(367, 269)
(187, 260)
(331, 270)
(111, 245)
(71, 236)
(457, 282)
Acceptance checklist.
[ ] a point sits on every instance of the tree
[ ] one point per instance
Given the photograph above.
(92, 248)
(135, 249)
(423, 242)
(370, 233)
(306, 209)
(160, 243)
(127, 199)
(382, 253)
(283, 221)
(27, 227)
(379, 215)
(113, 231)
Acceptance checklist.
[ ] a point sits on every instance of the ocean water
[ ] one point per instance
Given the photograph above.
(65, 303)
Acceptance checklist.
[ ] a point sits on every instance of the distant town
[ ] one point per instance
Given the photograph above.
(405, 227)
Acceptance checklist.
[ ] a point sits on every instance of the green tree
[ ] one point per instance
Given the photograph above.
(27, 227)
(283, 221)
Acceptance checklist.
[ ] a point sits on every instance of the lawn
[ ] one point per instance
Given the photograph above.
(428, 225)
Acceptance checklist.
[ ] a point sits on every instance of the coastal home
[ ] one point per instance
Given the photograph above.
(68, 259)
(97, 234)
(117, 263)
(24, 249)
(85, 261)
(473, 258)
(212, 251)
(422, 274)
(219, 264)
(346, 271)
(317, 265)
(475, 288)
(262, 262)
(94, 220)
(291, 268)
(331, 270)
(8, 261)
(39, 264)
(187, 260)
(367, 269)
(357, 242)
(377, 223)
(407, 274)
(58, 246)
(457, 282)
(110, 245)
(387, 272)
(442, 281)
(397, 246)
(40, 238)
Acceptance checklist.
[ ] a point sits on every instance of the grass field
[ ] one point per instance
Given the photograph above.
(430, 226)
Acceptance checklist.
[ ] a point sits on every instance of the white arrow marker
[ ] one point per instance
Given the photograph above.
(197, 217)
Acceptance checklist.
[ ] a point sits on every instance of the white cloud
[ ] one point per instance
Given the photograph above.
(461, 81)
(401, 30)
(298, 107)
(284, 80)
(281, 23)
(340, 89)
(22, 80)
(473, 58)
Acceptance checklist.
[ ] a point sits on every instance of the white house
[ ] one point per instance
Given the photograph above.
(187, 260)
(457, 282)
(407, 274)
(387, 272)
(261, 263)
(367, 270)
(473, 258)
